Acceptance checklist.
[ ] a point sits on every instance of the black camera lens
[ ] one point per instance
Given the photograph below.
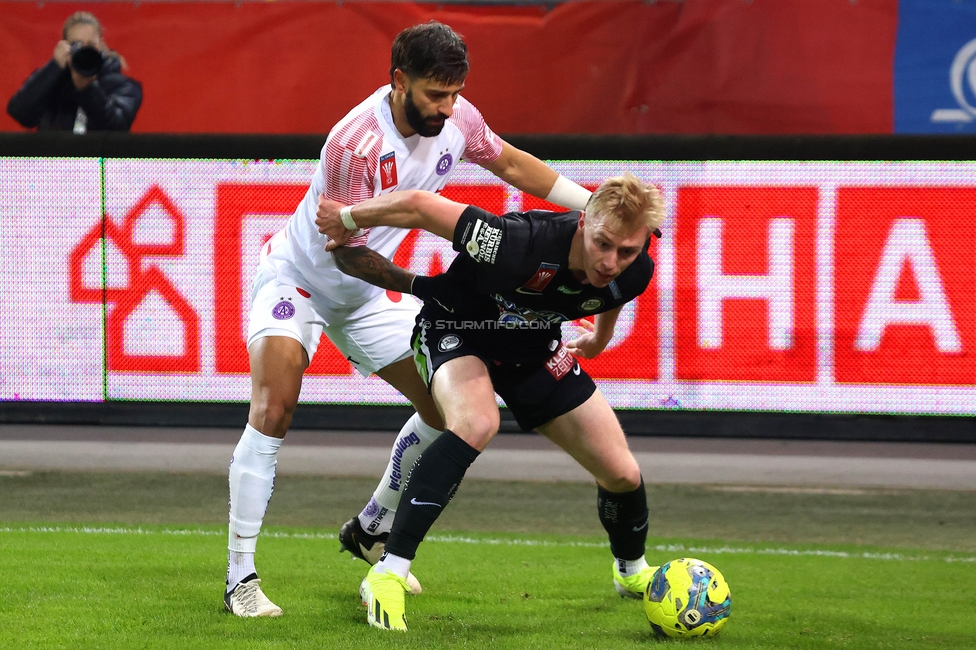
(85, 59)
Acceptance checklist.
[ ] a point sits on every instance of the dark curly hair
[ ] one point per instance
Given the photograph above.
(430, 50)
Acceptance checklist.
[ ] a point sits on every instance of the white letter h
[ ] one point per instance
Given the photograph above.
(776, 287)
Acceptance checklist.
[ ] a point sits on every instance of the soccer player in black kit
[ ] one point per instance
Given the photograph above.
(491, 323)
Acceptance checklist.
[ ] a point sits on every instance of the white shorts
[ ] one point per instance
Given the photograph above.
(371, 336)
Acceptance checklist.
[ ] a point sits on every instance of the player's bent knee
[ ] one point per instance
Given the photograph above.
(620, 486)
(626, 479)
(272, 417)
(476, 429)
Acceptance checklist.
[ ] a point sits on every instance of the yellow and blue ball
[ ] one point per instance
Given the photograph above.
(687, 598)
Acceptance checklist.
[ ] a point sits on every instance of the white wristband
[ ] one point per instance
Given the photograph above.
(345, 214)
(568, 194)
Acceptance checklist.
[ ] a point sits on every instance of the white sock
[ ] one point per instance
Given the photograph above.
(375, 519)
(413, 439)
(251, 477)
(239, 566)
(393, 564)
(629, 568)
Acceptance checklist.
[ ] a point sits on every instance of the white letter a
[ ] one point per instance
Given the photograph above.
(908, 241)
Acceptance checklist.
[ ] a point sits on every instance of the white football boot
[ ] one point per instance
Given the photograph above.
(247, 600)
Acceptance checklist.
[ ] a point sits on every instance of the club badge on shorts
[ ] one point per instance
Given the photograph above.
(448, 342)
(283, 310)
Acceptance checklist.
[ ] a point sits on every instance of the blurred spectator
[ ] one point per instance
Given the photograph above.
(81, 88)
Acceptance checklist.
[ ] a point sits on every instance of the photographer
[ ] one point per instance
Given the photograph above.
(81, 88)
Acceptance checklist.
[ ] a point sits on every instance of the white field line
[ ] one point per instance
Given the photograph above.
(458, 539)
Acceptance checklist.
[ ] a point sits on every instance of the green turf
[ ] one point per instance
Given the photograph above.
(154, 588)
(137, 561)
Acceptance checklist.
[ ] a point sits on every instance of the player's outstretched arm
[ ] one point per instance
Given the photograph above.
(595, 341)
(526, 172)
(369, 266)
(407, 209)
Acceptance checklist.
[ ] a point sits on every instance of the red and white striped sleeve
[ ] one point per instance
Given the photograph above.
(349, 164)
(481, 145)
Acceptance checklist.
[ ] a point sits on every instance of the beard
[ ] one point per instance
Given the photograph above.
(426, 127)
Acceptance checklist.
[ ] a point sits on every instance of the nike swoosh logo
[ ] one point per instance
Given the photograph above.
(638, 529)
(429, 503)
(576, 371)
(528, 292)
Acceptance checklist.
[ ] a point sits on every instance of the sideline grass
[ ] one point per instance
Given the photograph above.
(137, 561)
(159, 587)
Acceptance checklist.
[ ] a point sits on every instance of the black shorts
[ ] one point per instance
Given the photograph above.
(535, 392)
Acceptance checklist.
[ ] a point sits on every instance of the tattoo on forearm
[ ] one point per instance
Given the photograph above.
(369, 266)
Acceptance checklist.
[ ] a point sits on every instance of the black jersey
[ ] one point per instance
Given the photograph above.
(511, 286)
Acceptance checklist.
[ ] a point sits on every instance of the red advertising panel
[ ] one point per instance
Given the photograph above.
(905, 285)
(235, 202)
(745, 300)
(633, 352)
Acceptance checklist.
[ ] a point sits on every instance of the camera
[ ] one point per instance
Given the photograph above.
(85, 59)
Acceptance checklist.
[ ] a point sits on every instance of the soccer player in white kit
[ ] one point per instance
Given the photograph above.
(410, 135)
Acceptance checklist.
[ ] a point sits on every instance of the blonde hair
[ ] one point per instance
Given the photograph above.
(88, 18)
(627, 200)
(81, 18)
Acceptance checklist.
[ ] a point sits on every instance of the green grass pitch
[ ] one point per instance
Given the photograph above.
(137, 561)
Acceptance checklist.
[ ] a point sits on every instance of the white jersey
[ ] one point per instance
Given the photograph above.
(365, 156)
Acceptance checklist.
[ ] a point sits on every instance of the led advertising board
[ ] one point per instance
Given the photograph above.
(779, 286)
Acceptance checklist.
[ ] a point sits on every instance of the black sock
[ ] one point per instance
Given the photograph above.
(624, 517)
(434, 479)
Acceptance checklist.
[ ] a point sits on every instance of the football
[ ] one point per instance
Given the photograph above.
(687, 598)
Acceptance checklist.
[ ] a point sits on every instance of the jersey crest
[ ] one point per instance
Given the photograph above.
(388, 171)
(444, 164)
(538, 282)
